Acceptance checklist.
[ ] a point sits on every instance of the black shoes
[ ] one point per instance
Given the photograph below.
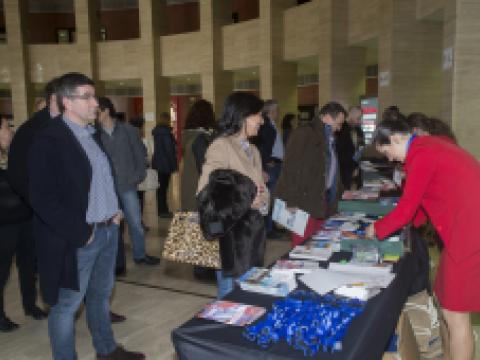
(121, 354)
(7, 325)
(116, 318)
(166, 215)
(148, 260)
(121, 271)
(36, 313)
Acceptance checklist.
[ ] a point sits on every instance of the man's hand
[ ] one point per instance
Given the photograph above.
(117, 218)
(370, 231)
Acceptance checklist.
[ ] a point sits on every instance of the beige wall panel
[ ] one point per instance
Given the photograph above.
(428, 7)
(241, 45)
(50, 60)
(4, 64)
(301, 31)
(182, 54)
(466, 83)
(119, 59)
(362, 20)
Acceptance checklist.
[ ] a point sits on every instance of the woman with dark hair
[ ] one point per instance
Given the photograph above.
(287, 126)
(431, 190)
(196, 137)
(231, 150)
(422, 125)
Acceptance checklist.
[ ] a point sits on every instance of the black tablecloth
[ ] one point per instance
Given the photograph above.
(367, 337)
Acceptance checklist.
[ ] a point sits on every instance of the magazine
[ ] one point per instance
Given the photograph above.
(232, 313)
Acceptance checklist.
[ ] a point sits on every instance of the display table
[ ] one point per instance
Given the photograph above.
(367, 337)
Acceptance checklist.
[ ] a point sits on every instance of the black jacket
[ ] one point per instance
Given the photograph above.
(265, 140)
(59, 182)
(164, 158)
(12, 208)
(225, 211)
(19, 148)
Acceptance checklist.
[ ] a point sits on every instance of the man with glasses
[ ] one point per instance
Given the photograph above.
(76, 222)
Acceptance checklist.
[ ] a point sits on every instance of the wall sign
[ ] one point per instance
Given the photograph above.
(384, 78)
(447, 58)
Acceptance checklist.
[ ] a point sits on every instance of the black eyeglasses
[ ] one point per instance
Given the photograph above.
(86, 96)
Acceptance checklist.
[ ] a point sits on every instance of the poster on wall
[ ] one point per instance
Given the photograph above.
(369, 117)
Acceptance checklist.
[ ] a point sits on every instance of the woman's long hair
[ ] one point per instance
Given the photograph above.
(238, 106)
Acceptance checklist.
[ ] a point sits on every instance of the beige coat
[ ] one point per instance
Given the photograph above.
(225, 152)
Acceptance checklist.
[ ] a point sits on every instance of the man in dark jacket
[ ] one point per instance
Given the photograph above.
(126, 152)
(17, 174)
(350, 143)
(309, 178)
(270, 144)
(164, 160)
(76, 222)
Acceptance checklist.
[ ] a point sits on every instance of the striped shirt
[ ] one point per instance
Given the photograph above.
(102, 199)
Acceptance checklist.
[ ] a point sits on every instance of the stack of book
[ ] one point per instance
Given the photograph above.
(266, 281)
(318, 250)
(294, 266)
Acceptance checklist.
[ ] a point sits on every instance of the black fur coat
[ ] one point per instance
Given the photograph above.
(224, 206)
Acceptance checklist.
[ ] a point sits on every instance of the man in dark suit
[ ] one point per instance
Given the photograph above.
(17, 174)
(77, 214)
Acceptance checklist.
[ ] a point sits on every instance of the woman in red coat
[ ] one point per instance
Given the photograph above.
(443, 183)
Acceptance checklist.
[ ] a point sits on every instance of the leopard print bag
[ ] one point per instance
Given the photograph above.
(185, 243)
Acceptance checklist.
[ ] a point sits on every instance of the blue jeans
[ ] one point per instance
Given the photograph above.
(225, 284)
(96, 263)
(133, 216)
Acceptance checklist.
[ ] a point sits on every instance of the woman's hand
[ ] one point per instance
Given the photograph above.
(259, 200)
(6, 135)
(370, 231)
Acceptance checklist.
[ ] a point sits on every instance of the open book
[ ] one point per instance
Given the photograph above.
(295, 221)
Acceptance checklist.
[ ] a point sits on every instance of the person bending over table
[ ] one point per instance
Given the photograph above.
(433, 168)
(232, 150)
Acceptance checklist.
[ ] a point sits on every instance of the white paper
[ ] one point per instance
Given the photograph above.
(295, 221)
(323, 281)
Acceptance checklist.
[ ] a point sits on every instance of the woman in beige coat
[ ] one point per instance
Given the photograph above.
(240, 120)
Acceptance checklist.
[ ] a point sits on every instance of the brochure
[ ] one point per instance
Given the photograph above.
(229, 312)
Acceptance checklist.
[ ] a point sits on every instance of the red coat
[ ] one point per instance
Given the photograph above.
(443, 182)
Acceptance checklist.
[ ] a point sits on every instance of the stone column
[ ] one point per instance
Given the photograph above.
(18, 58)
(409, 59)
(278, 78)
(341, 71)
(87, 34)
(216, 83)
(156, 91)
(461, 76)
